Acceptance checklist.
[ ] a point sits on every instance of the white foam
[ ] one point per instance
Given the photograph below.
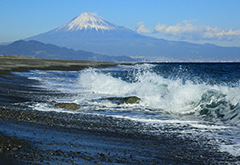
(163, 100)
(232, 149)
(155, 92)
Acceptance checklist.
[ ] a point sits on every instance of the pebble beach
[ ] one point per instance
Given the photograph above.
(37, 137)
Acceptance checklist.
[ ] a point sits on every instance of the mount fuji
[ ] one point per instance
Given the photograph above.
(86, 21)
(89, 32)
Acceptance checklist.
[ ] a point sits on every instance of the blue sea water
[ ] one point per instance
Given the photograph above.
(197, 100)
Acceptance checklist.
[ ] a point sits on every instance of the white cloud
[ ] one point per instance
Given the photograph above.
(141, 28)
(186, 30)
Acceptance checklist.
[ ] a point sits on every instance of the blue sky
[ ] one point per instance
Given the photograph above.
(197, 21)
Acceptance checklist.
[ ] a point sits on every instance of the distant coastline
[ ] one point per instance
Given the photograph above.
(9, 63)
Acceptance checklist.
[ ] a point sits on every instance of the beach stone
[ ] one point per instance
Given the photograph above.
(122, 100)
(68, 106)
(53, 102)
(14, 149)
(131, 100)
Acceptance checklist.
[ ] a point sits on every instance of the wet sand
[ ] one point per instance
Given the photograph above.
(33, 137)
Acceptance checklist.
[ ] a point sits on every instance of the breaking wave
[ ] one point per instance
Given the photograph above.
(191, 100)
(171, 95)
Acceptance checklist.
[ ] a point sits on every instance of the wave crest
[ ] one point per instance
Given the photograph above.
(215, 106)
(172, 96)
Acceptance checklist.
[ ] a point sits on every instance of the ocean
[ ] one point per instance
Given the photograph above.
(194, 101)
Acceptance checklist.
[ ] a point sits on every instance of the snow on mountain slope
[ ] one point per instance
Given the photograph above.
(87, 21)
(92, 33)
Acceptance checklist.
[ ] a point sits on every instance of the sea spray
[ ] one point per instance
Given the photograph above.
(194, 100)
(158, 93)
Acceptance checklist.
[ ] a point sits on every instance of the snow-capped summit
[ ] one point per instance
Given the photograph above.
(89, 32)
(87, 21)
(92, 33)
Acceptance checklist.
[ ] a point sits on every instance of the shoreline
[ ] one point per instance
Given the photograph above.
(8, 64)
(54, 138)
(37, 137)
(21, 64)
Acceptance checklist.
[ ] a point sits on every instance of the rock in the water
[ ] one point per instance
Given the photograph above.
(131, 100)
(122, 100)
(69, 106)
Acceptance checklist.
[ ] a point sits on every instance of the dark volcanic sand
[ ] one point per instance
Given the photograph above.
(32, 137)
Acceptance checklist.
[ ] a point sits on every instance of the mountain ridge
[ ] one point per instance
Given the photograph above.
(121, 41)
(38, 49)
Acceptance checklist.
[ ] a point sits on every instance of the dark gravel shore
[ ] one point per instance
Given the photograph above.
(42, 138)
(34, 137)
